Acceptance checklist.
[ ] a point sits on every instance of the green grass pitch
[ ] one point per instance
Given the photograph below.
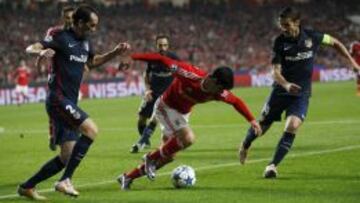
(323, 166)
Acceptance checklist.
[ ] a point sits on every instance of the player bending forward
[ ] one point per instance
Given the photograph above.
(190, 87)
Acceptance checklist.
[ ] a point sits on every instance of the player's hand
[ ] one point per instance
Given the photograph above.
(257, 128)
(47, 53)
(292, 88)
(148, 95)
(122, 48)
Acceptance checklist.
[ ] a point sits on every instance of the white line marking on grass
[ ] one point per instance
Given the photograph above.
(209, 167)
(124, 129)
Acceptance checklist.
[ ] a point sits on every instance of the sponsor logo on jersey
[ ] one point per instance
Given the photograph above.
(80, 59)
(300, 56)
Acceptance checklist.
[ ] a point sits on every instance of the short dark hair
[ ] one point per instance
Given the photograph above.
(83, 13)
(224, 76)
(290, 12)
(162, 36)
(67, 8)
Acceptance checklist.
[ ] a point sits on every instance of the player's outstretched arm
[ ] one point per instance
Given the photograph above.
(340, 48)
(39, 49)
(148, 57)
(180, 69)
(279, 79)
(241, 107)
(100, 59)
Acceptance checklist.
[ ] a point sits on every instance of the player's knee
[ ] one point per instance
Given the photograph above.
(89, 129)
(292, 127)
(188, 140)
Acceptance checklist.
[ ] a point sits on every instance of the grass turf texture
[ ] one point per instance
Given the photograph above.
(323, 165)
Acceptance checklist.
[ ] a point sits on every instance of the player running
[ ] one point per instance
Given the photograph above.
(157, 79)
(191, 86)
(355, 53)
(70, 50)
(293, 58)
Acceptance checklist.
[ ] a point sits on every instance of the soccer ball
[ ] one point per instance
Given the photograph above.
(183, 177)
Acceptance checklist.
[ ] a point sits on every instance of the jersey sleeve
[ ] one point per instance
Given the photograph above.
(321, 38)
(240, 106)
(276, 52)
(51, 41)
(178, 68)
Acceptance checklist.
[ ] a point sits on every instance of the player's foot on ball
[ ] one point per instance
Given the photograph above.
(150, 167)
(66, 187)
(243, 154)
(30, 193)
(270, 171)
(124, 181)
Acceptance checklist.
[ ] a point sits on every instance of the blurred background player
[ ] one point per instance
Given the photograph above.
(70, 50)
(65, 23)
(22, 75)
(191, 86)
(157, 79)
(355, 52)
(293, 56)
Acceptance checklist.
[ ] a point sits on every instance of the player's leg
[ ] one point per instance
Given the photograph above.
(53, 166)
(18, 94)
(77, 119)
(271, 112)
(145, 112)
(148, 131)
(145, 131)
(88, 130)
(296, 114)
(25, 93)
(126, 179)
(141, 124)
(173, 124)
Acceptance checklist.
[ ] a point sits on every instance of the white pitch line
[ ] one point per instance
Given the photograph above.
(209, 167)
(329, 122)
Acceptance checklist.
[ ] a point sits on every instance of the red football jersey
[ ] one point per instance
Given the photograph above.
(186, 89)
(22, 76)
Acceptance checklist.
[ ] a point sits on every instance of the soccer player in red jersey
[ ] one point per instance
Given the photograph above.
(191, 86)
(355, 53)
(22, 75)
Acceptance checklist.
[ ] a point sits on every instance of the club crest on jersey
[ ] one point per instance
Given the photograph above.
(308, 43)
(86, 46)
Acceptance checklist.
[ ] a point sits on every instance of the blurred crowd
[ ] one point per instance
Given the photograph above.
(236, 33)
